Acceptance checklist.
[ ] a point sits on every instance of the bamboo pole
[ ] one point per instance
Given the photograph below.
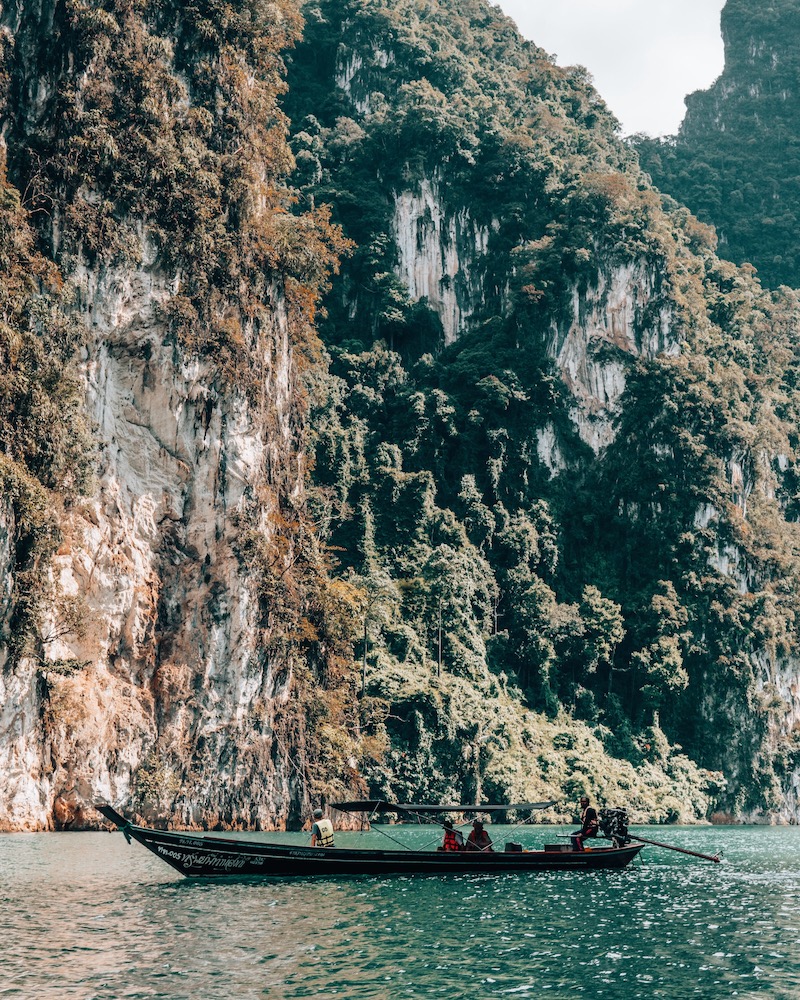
(681, 850)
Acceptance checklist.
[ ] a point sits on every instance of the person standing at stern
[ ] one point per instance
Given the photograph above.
(589, 825)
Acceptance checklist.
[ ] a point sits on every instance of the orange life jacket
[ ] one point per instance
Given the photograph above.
(453, 841)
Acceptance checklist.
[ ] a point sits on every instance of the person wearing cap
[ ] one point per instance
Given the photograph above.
(321, 831)
(589, 825)
(453, 841)
(479, 839)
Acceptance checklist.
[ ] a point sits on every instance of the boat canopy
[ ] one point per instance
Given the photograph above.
(379, 806)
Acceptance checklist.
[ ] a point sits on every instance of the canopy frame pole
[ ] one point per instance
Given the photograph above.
(525, 822)
(394, 840)
(422, 820)
(518, 826)
(426, 821)
(377, 827)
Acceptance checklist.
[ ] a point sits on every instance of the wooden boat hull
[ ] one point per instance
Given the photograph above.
(203, 856)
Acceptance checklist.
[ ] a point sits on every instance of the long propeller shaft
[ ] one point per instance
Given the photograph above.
(680, 850)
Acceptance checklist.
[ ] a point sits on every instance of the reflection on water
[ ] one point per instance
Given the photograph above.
(86, 915)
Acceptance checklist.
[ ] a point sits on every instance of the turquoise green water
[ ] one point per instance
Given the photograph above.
(86, 915)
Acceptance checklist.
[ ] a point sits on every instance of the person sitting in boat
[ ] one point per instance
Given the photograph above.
(321, 831)
(589, 825)
(453, 840)
(479, 839)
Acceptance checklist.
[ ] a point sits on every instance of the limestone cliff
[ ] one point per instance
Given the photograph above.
(154, 675)
(175, 687)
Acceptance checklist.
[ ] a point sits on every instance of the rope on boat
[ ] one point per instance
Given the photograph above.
(422, 819)
(518, 826)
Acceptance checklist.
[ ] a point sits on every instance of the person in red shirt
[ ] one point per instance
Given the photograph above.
(479, 839)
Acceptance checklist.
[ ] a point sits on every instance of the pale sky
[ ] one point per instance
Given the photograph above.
(645, 55)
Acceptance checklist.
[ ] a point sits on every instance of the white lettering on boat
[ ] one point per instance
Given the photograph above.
(209, 860)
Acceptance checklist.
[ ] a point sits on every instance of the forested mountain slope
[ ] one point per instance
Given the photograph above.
(558, 423)
(523, 522)
(736, 159)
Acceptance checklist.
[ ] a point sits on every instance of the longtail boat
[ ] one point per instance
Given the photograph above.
(212, 856)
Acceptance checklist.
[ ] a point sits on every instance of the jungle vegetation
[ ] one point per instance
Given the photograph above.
(472, 614)
(647, 588)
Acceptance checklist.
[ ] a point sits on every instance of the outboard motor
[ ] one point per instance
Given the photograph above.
(614, 826)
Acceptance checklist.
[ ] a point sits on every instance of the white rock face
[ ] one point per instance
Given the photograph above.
(439, 252)
(548, 450)
(353, 73)
(170, 646)
(741, 481)
(611, 314)
(21, 759)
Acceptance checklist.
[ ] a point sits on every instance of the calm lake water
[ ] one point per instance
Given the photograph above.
(86, 915)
